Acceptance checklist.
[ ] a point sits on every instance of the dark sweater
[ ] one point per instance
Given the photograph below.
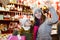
(37, 22)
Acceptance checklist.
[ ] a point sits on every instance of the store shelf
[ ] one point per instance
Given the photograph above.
(10, 11)
(10, 20)
(8, 15)
(19, 5)
(16, 12)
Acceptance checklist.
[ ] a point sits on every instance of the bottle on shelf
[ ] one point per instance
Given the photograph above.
(19, 8)
(1, 17)
(16, 16)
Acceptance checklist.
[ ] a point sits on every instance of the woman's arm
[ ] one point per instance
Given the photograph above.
(54, 16)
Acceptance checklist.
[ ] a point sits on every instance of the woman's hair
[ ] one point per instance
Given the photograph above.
(43, 17)
(37, 10)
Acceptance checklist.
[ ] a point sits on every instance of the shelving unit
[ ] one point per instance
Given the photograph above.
(26, 10)
(24, 7)
(15, 12)
(9, 20)
(19, 5)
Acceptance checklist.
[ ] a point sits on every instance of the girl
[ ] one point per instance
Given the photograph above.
(44, 31)
(26, 30)
(36, 22)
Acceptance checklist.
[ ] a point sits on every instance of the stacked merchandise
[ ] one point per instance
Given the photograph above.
(13, 18)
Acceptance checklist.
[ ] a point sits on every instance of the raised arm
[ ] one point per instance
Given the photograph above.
(54, 16)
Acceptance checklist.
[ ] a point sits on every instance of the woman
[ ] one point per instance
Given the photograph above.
(44, 31)
(36, 22)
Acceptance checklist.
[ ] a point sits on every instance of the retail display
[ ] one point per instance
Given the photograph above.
(11, 14)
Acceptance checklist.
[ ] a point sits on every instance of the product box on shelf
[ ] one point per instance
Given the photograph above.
(6, 16)
(1, 17)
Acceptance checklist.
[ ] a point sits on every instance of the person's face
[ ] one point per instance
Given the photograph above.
(38, 15)
(27, 23)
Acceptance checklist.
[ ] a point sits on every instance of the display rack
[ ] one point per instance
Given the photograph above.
(26, 10)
